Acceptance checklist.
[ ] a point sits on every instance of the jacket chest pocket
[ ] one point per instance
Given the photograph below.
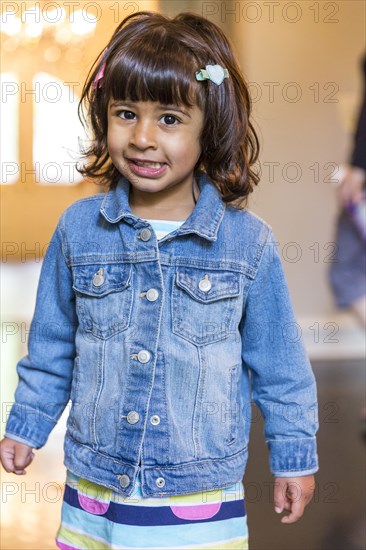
(103, 297)
(205, 304)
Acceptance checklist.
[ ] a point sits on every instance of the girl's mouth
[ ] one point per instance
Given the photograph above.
(148, 169)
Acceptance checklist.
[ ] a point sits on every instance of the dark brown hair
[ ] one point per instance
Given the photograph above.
(151, 57)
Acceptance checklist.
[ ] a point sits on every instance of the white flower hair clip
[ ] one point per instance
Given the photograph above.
(215, 73)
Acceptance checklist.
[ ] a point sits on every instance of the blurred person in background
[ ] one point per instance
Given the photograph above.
(347, 275)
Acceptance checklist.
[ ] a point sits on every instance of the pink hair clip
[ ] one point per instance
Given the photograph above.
(98, 80)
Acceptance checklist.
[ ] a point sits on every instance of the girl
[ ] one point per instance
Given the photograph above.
(166, 308)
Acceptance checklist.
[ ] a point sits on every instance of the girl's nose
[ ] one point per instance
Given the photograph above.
(143, 135)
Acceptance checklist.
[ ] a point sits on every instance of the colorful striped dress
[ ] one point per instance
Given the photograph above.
(95, 517)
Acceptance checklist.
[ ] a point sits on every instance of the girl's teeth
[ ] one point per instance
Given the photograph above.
(150, 164)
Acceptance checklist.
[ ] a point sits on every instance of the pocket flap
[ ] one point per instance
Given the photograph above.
(208, 285)
(100, 279)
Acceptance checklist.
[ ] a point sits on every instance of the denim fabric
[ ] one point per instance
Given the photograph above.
(159, 346)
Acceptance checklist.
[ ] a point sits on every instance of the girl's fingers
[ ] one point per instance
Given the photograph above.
(8, 463)
(287, 506)
(296, 511)
(7, 457)
(23, 457)
(279, 496)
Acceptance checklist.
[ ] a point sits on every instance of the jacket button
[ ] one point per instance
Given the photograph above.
(145, 234)
(152, 294)
(98, 278)
(143, 356)
(155, 419)
(133, 417)
(204, 284)
(160, 482)
(124, 480)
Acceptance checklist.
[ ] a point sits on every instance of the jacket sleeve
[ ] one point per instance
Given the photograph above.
(45, 374)
(282, 380)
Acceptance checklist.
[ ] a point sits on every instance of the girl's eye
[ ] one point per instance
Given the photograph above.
(127, 113)
(169, 119)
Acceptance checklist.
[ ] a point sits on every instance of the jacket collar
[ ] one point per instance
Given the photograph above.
(204, 220)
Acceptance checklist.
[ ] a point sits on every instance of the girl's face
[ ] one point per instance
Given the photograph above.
(154, 146)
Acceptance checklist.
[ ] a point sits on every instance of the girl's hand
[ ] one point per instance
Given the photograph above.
(350, 190)
(15, 456)
(293, 494)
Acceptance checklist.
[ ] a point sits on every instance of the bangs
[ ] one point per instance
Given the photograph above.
(157, 69)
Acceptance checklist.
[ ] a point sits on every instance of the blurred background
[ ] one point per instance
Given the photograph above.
(303, 61)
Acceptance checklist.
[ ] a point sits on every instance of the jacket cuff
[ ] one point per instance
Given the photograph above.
(19, 439)
(29, 426)
(293, 457)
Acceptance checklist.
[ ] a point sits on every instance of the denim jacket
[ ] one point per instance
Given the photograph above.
(160, 346)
